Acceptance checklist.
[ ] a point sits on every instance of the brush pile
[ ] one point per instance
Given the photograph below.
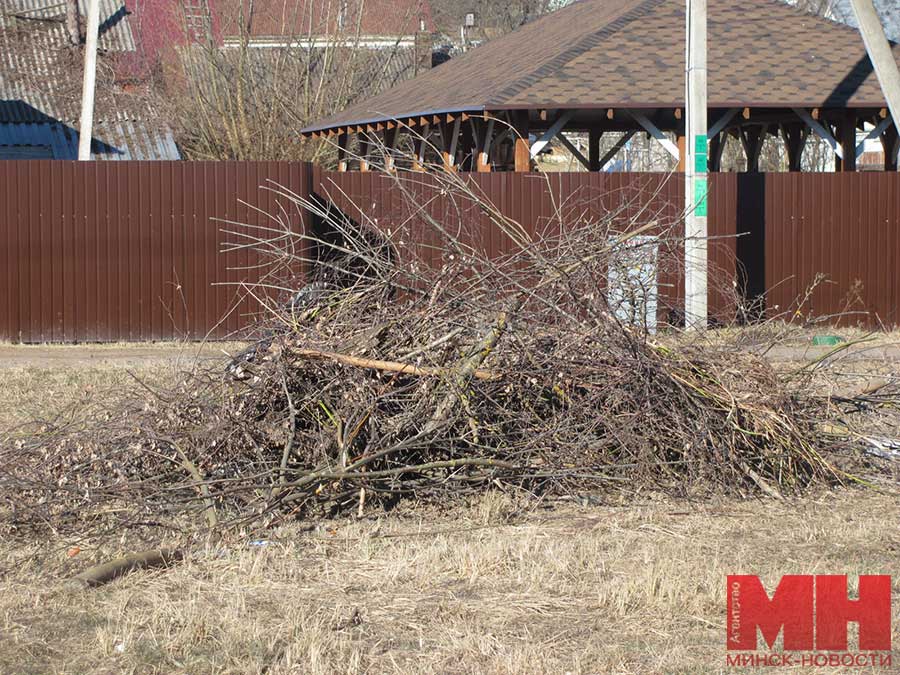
(389, 379)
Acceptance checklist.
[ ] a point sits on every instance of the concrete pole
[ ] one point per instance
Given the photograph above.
(89, 83)
(695, 169)
(880, 54)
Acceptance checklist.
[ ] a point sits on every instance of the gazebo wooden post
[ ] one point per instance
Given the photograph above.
(890, 142)
(468, 143)
(716, 148)
(484, 140)
(442, 143)
(594, 136)
(680, 141)
(343, 136)
(848, 142)
(752, 140)
(835, 130)
(390, 144)
(420, 144)
(449, 140)
(418, 148)
(522, 152)
(794, 136)
(363, 142)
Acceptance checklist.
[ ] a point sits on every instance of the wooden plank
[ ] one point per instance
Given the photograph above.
(522, 151)
(483, 164)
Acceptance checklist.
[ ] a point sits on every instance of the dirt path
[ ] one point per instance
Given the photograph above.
(854, 353)
(128, 355)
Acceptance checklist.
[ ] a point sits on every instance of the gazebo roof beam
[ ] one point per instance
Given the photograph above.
(575, 151)
(722, 122)
(821, 131)
(654, 131)
(875, 133)
(549, 135)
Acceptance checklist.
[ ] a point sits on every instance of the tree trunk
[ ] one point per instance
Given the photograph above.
(73, 22)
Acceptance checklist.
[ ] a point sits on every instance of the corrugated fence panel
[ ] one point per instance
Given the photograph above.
(820, 244)
(96, 251)
(134, 250)
(830, 244)
(540, 204)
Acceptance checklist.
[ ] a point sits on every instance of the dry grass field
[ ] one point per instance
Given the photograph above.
(637, 587)
(631, 583)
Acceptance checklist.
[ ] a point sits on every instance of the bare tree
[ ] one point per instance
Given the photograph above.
(495, 15)
(73, 22)
(240, 100)
(820, 7)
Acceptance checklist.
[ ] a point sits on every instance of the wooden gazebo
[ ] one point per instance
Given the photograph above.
(601, 66)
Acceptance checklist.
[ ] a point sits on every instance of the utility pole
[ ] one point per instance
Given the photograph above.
(85, 133)
(695, 168)
(880, 54)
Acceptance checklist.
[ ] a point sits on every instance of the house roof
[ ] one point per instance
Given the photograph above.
(122, 140)
(630, 53)
(40, 86)
(302, 18)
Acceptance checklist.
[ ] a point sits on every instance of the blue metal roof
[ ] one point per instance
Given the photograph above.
(112, 140)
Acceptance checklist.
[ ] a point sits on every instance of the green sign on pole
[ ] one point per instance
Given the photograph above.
(700, 154)
(700, 193)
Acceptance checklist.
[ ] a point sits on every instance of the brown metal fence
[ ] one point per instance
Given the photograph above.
(539, 203)
(842, 227)
(132, 250)
(102, 251)
(807, 245)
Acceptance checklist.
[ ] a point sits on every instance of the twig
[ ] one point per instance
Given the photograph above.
(289, 443)
(211, 517)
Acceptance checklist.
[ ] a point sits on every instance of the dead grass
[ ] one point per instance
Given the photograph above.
(631, 588)
(58, 393)
(793, 337)
(635, 586)
(51, 382)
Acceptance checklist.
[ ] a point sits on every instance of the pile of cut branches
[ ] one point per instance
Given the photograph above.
(387, 378)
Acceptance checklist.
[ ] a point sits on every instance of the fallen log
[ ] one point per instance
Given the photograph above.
(103, 574)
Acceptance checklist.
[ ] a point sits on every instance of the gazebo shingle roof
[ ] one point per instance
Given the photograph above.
(630, 53)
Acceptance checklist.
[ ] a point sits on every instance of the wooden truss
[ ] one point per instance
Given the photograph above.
(512, 140)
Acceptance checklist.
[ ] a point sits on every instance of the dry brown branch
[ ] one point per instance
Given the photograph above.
(388, 366)
(210, 511)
